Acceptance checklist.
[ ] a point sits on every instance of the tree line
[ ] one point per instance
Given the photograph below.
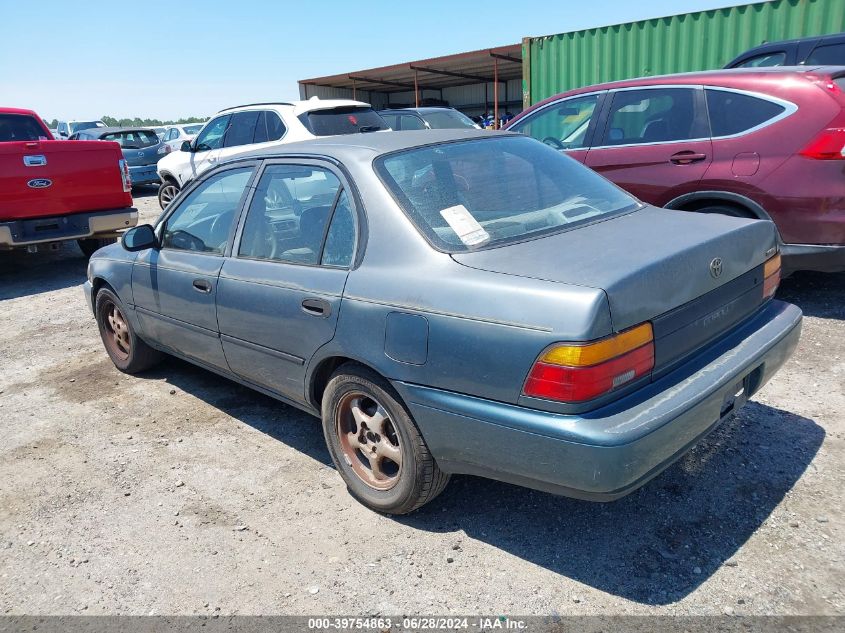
(110, 121)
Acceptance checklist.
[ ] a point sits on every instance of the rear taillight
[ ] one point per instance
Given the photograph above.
(771, 276)
(828, 145)
(577, 372)
(125, 176)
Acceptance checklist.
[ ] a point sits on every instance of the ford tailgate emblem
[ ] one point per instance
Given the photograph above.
(716, 267)
(39, 183)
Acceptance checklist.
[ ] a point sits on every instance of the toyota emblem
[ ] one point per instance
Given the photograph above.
(716, 267)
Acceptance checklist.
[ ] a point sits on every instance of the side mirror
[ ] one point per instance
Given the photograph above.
(186, 147)
(139, 238)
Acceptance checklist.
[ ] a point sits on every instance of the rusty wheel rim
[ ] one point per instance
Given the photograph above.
(116, 331)
(369, 441)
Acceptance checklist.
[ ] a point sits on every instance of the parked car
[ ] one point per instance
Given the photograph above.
(68, 128)
(261, 124)
(53, 191)
(175, 135)
(141, 149)
(427, 119)
(499, 310)
(826, 50)
(159, 130)
(765, 143)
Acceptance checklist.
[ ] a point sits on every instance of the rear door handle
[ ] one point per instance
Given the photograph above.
(687, 157)
(201, 285)
(316, 307)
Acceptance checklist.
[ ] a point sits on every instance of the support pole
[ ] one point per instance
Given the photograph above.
(354, 97)
(416, 91)
(495, 93)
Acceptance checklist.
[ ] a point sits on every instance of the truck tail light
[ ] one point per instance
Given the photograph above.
(828, 145)
(577, 372)
(125, 176)
(771, 276)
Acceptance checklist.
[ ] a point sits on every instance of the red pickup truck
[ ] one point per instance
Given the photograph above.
(51, 191)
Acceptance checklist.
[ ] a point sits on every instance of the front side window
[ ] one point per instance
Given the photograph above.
(651, 116)
(203, 220)
(289, 215)
(241, 129)
(486, 192)
(733, 112)
(561, 125)
(762, 61)
(212, 136)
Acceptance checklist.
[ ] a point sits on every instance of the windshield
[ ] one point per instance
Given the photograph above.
(448, 119)
(192, 129)
(76, 126)
(135, 139)
(484, 192)
(348, 120)
(20, 127)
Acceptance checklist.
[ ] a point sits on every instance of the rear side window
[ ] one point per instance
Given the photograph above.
(348, 120)
(17, 127)
(391, 120)
(732, 112)
(448, 119)
(269, 127)
(242, 128)
(411, 122)
(764, 60)
(832, 54)
(651, 116)
(134, 139)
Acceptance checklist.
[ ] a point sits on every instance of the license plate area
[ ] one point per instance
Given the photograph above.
(740, 392)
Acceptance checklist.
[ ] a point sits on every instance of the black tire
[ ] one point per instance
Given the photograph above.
(725, 209)
(132, 355)
(89, 245)
(167, 190)
(418, 479)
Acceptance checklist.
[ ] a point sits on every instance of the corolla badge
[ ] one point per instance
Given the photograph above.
(39, 183)
(716, 267)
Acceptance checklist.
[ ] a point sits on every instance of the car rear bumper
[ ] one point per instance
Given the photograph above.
(607, 453)
(143, 174)
(822, 258)
(66, 227)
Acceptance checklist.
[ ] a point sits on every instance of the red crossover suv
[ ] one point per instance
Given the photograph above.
(763, 142)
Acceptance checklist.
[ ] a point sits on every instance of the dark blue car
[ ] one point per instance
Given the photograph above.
(141, 148)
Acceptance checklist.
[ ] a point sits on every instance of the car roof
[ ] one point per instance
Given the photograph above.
(808, 38)
(373, 143)
(299, 107)
(18, 111)
(420, 110)
(111, 130)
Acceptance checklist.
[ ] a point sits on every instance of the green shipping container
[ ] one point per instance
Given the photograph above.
(680, 43)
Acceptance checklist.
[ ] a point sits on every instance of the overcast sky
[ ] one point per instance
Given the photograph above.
(167, 59)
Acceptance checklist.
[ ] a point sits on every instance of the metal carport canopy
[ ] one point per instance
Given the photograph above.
(489, 65)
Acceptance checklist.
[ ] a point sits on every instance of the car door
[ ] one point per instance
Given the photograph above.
(206, 149)
(279, 293)
(653, 141)
(174, 287)
(566, 124)
(241, 131)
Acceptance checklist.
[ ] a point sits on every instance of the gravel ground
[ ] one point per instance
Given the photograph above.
(178, 492)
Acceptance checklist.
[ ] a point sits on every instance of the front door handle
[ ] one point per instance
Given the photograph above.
(316, 307)
(687, 157)
(201, 285)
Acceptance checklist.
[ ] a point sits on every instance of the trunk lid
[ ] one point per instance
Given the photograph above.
(48, 178)
(654, 265)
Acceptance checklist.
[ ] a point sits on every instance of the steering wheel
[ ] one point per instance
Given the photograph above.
(553, 142)
(186, 241)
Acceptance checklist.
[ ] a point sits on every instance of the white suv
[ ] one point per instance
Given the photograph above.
(261, 125)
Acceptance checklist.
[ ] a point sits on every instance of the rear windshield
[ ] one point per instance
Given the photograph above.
(342, 121)
(136, 139)
(192, 129)
(473, 194)
(448, 119)
(20, 127)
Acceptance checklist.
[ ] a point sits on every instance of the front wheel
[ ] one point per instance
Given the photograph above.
(128, 352)
(90, 245)
(375, 444)
(167, 191)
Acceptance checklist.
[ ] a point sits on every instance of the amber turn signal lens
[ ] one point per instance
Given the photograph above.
(771, 276)
(600, 351)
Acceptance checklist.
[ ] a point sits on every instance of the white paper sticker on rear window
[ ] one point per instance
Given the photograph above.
(469, 231)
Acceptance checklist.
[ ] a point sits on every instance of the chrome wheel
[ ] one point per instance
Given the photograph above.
(368, 440)
(166, 193)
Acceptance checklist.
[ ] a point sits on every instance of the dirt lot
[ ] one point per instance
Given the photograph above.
(179, 492)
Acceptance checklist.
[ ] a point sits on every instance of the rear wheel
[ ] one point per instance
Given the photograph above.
(375, 444)
(128, 352)
(724, 209)
(89, 245)
(167, 191)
